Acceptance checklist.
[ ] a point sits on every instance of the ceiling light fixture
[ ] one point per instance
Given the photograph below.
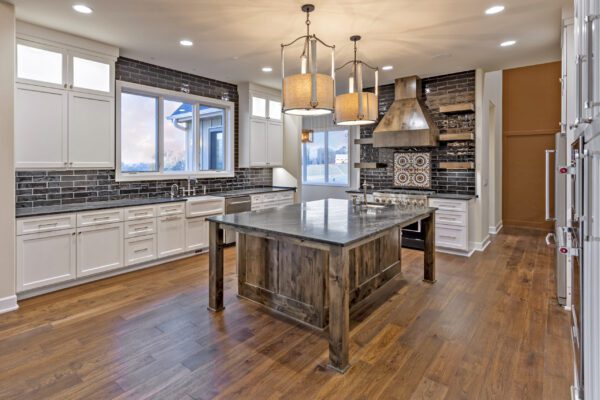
(309, 92)
(357, 107)
(387, 67)
(186, 43)
(508, 43)
(267, 69)
(82, 8)
(494, 10)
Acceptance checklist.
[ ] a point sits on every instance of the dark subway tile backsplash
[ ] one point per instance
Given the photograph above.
(438, 90)
(54, 187)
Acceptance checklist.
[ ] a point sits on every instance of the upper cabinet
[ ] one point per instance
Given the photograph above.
(261, 127)
(64, 102)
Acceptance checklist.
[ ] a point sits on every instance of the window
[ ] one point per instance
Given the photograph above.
(325, 160)
(92, 75)
(165, 134)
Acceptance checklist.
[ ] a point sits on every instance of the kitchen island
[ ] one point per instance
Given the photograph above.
(313, 261)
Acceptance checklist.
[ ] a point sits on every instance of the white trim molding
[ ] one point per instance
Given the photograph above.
(494, 230)
(8, 304)
(480, 246)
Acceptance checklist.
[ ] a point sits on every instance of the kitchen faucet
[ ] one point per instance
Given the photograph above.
(365, 186)
(191, 187)
(174, 190)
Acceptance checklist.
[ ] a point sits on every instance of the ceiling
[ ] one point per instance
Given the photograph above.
(234, 39)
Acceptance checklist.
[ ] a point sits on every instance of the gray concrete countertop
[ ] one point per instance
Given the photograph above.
(330, 221)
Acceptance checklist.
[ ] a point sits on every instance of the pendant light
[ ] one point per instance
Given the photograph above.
(309, 92)
(357, 107)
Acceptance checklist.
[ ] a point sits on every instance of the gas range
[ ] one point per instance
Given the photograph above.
(402, 197)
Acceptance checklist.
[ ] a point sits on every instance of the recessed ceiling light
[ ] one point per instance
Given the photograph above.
(82, 8)
(508, 43)
(186, 42)
(494, 10)
(267, 69)
(387, 68)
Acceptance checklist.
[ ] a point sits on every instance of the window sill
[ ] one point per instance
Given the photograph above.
(343, 185)
(144, 176)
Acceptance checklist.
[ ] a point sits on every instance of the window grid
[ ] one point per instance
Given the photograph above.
(327, 161)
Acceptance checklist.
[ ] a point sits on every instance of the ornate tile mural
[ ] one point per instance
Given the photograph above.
(412, 170)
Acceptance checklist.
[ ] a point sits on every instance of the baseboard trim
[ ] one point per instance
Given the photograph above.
(481, 246)
(8, 304)
(494, 230)
(455, 252)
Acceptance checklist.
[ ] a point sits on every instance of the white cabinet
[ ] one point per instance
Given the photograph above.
(41, 127)
(196, 233)
(64, 108)
(451, 225)
(140, 249)
(270, 200)
(45, 258)
(91, 131)
(261, 126)
(99, 248)
(171, 235)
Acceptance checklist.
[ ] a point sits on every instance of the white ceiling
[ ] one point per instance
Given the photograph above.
(234, 39)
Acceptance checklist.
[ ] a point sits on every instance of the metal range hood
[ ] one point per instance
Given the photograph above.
(407, 123)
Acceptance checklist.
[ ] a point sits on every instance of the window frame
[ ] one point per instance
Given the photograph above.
(327, 183)
(170, 95)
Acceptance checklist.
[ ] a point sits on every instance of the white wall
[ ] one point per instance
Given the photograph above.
(290, 173)
(492, 124)
(8, 299)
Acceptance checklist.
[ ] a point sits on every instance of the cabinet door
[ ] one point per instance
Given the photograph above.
(99, 249)
(140, 249)
(196, 233)
(89, 74)
(171, 235)
(274, 144)
(40, 127)
(258, 106)
(91, 131)
(45, 258)
(258, 143)
(41, 65)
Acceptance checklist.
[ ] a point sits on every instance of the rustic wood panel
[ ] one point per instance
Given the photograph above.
(302, 274)
(215, 287)
(490, 328)
(261, 261)
(339, 309)
(531, 101)
(456, 108)
(387, 252)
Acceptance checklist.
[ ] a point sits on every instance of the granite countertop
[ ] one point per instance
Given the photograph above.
(449, 196)
(102, 205)
(330, 221)
(248, 192)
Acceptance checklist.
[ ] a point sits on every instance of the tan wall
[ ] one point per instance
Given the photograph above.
(531, 114)
(7, 173)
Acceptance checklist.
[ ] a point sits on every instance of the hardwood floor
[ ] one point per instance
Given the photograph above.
(489, 328)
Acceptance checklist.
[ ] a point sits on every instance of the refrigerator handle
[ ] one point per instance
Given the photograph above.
(589, 22)
(547, 207)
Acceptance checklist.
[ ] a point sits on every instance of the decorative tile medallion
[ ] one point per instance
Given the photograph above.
(412, 170)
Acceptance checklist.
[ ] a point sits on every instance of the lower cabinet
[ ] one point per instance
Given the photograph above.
(99, 248)
(451, 225)
(45, 258)
(140, 249)
(171, 235)
(196, 233)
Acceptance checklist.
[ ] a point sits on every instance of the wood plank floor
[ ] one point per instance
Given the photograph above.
(489, 328)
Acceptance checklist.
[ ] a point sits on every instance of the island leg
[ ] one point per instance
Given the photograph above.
(215, 267)
(339, 309)
(428, 226)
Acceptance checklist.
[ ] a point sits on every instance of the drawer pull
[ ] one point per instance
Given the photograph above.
(448, 237)
(140, 213)
(171, 218)
(172, 210)
(140, 250)
(143, 228)
(47, 225)
(101, 218)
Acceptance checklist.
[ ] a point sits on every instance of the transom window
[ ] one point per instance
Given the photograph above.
(164, 134)
(325, 160)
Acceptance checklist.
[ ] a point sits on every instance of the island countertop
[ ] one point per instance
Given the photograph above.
(330, 221)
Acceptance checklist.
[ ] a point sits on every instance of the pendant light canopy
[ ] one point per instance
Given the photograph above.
(357, 107)
(309, 92)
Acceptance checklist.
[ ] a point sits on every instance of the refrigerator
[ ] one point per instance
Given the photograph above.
(558, 171)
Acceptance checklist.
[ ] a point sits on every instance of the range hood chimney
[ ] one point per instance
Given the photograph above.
(407, 123)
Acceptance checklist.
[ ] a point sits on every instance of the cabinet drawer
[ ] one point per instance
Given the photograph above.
(451, 237)
(140, 228)
(268, 197)
(99, 217)
(139, 250)
(449, 205)
(455, 218)
(171, 209)
(142, 212)
(285, 196)
(257, 199)
(45, 224)
(204, 208)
